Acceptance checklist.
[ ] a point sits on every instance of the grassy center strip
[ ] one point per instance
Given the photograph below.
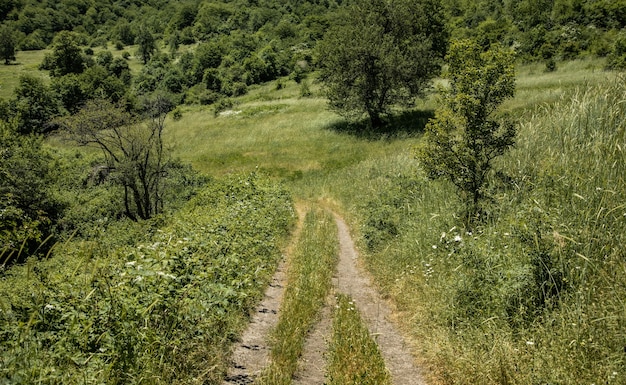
(308, 283)
(353, 357)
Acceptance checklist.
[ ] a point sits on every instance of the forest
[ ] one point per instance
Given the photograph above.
(152, 154)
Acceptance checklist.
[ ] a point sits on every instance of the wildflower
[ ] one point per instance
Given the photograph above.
(48, 307)
(165, 275)
(434, 246)
(457, 238)
(530, 343)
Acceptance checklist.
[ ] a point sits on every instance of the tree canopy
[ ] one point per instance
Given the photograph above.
(464, 138)
(378, 53)
(8, 44)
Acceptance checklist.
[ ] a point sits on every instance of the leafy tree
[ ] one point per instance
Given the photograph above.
(134, 151)
(379, 53)
(124, 32)
(617, 58)
(7, 44)
(66, 57)
(463, 139)
(146, 44)
(33, 105)
(27, 210)
(70, 91)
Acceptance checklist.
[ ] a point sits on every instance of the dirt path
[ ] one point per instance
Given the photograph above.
(252, 355)
(375, 311)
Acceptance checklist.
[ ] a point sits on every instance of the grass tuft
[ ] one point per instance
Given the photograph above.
(354, 358)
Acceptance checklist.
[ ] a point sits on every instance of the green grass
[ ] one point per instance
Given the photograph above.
(535, 86)
(353, 357)
(308, 284)
(287, 139)
(27, 63)
(534, 295)
(163, 309)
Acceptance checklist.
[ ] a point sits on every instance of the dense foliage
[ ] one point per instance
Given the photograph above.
(28, 208)
(464, 137)
(160, 310)
(381, 53)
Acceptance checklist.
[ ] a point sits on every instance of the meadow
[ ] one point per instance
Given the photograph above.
(533, 294)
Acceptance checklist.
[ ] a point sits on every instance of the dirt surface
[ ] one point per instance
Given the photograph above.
(375, 311)
(252, 354)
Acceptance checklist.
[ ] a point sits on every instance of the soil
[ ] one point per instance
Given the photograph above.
(252, 353)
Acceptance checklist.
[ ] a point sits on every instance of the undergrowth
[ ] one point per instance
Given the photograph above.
(535, 294)
(161, 311)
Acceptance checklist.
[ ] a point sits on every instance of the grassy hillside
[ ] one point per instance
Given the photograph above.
(533, 295)
(163, 309)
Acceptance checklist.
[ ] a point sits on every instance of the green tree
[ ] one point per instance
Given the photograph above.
(33, 105)
(146, 44)
(134, 151)
(27, 211)
(379, 53)
(66, 57)
(7, 44)
(463, 139)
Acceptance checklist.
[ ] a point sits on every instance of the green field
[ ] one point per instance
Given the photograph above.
(533, 295)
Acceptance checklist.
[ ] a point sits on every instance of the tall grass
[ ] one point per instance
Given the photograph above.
(535, 294)
(308, 284)
(353, 357)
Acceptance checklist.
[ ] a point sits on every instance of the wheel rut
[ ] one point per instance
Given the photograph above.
(252, 354)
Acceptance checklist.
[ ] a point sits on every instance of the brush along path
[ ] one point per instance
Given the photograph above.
(251, 355)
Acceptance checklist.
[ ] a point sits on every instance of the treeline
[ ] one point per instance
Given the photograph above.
(243, 42)
(192, 20)
(234, 44)
(543, 29)
(538, 28)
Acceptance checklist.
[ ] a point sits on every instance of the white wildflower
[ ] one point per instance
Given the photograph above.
(457, 238)
(166, 275)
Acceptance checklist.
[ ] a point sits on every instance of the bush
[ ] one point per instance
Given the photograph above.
(166, 307)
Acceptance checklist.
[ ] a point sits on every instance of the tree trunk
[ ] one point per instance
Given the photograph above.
(375, 120)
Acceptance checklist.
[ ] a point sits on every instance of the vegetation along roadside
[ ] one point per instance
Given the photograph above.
(501, 248)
